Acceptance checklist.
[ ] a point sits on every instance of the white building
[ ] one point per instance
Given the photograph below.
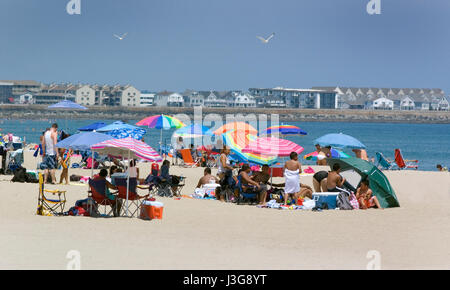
(147, 99)
(244, 101)
(26, 99)
(169, 99)
(85, 96)
(383, 104)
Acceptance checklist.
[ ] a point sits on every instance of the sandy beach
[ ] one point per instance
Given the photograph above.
(206, 234)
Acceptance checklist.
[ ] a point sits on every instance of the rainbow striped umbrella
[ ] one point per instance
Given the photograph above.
(127, 147)
(284, 130)
(272, 146)
(236, 141)
(337, 154)
(162, 122)
(237, 127)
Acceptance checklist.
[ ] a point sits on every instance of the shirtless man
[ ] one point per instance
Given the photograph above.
(207, 178)
(334, 179)
(365, 197)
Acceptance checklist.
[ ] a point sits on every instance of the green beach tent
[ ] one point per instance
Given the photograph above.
(379, 183)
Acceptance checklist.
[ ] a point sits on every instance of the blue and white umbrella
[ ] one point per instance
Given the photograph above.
(66, 104)
(121, 130)
(339, 141)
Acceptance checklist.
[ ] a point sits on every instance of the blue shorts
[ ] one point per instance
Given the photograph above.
(50, 161)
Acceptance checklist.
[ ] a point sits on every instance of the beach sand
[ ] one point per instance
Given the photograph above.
(206, 234)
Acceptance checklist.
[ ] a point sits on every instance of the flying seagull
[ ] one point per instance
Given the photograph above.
(121, 37)
(264, 40)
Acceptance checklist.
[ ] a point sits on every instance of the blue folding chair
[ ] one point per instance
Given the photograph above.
(245, 196)
(383, 163)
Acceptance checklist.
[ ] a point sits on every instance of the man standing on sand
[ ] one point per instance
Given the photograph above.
(50, 154)
(334, 179)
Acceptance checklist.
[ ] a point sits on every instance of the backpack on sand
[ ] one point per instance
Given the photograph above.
(343, 201)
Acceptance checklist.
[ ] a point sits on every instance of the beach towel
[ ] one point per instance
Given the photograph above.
(292, 184)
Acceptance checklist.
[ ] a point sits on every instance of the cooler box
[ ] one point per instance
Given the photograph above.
(326, 197)
(151, 210)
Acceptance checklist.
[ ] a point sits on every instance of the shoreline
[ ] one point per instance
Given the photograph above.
(31, 112)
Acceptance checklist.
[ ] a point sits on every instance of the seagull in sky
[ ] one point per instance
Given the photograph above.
(121, 37)
(266, 40)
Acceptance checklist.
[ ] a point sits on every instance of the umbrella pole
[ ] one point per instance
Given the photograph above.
(92, 163)
(128, 183)
(160, 145)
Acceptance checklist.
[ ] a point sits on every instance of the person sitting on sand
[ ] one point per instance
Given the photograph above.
(207, 178)
(320, 181)
(365, 196)
(292, 170)
(251, 186)
(334, 179)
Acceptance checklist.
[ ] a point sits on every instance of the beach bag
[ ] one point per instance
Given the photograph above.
(74, 177)
(175, 180)
(343, 202)
(20, 175)
(353, 201)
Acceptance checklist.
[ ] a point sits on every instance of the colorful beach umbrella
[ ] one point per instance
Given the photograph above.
(340, 141)
(334, 154)
(272, 146)
(236, 141)
(284, 130)
(193, 131)
(162, 122)
(127, 147)
(236, 127)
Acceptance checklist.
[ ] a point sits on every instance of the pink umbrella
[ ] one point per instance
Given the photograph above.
(272, 146)
(127, 147)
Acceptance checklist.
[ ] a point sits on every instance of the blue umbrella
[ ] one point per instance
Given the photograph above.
(193, 131)
(340, 141)
(93, 126)
(120, 130)
(83, 141)
(66, 104)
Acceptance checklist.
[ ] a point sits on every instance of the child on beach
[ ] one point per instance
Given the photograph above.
(365, 197)
(292, 170)
(65, 163)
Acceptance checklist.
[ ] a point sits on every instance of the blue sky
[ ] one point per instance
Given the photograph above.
(211, 44)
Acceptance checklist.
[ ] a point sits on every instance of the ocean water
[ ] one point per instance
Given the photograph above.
(428, 143)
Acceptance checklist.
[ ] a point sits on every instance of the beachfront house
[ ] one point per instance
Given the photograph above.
(219, 99)
(147, 99)
(444, 103)
(244, 101)
(168, 99)
(85, 95)
(295, 98)
(26, 99)
(382, 104)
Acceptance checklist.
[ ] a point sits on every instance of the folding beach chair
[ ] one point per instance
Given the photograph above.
(188, 161)
(405, 164)
(134, 199)
(245, 196)
(383, 163)
(97, 192)
(47, 206)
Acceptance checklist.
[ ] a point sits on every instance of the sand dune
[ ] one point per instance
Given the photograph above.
(202, 234)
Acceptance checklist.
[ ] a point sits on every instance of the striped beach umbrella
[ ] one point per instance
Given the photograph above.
(236, 127)
(236, 141)
(272, 146)
(127, 147)
(193, 131)
(161, 122)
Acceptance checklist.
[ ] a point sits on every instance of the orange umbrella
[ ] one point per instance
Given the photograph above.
(237, 127)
